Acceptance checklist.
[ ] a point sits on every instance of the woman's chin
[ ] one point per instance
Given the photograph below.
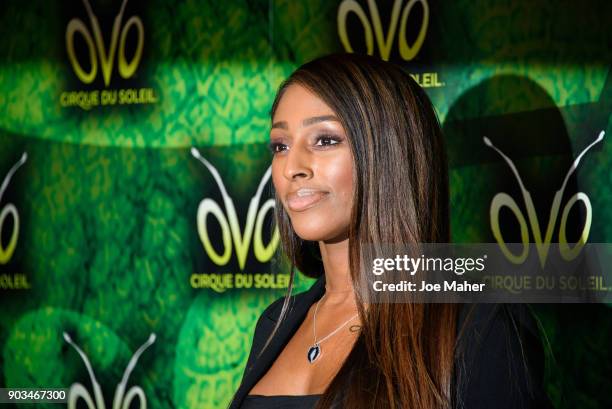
(308, 234)
(325, 233)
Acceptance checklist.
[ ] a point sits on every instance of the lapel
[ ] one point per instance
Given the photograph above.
(297, 310)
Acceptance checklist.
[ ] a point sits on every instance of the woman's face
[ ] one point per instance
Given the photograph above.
(312, 166)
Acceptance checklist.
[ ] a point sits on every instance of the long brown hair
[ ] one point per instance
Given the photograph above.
(403, 357)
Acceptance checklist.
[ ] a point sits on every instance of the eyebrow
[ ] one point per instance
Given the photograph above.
(307, 121)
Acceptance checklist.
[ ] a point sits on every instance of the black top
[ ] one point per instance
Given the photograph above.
(280, 402)
(500, 364)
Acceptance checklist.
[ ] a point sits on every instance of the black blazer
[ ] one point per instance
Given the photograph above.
(499, 362)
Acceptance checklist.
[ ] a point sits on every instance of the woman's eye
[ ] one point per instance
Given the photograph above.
(276, 147)
(327, 140)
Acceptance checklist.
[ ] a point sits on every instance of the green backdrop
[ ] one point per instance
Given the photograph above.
(104, 228)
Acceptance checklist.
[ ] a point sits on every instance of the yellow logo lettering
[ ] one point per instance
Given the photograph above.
(384, 42)
(107, 58)
(503, 199)
(229, 225)
(9, 209)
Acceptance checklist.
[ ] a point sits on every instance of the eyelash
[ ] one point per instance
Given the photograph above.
(273, 146)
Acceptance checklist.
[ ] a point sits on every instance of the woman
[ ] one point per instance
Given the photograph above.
(358, 158)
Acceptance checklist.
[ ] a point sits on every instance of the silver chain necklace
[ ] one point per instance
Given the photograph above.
(314, 351)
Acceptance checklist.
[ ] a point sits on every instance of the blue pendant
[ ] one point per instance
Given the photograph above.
(314, 352)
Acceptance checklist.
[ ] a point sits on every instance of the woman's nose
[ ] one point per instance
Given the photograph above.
(297, 164)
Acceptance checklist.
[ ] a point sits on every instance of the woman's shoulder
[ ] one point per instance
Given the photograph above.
(479, 324)
(500, 358)
(273, 310)
(303, 299)
(269, 317)
(266, 322)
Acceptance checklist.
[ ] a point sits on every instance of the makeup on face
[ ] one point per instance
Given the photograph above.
(312, 165)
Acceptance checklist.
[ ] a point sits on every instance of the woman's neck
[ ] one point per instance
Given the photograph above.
(338, 282)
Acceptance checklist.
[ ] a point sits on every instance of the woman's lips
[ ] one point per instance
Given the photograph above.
(304, 199)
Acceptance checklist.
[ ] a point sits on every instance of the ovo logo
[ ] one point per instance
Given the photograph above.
(9, 209)
(107, 58)
(121, 400)
(503, 199)
(229, 225)
(384, 41)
